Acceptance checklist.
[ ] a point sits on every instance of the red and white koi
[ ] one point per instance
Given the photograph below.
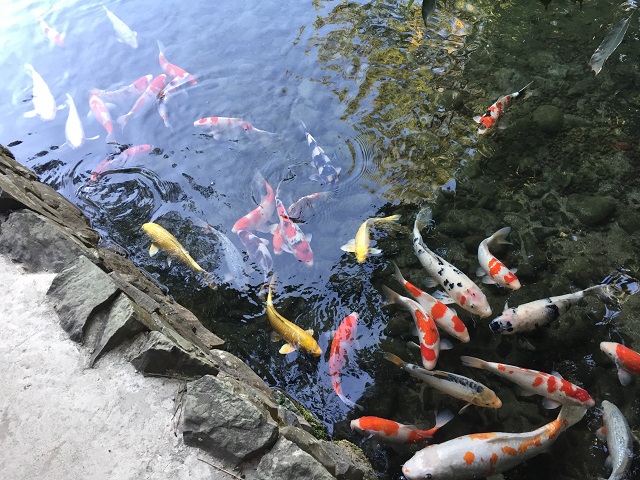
(101, 113)
(259, 217)
(124, 93)
(123, 32)
(326, 171)
(494, 113)
(394, 432)
(120, 160)
(73, 127)
(496, 271)
(619, 440)
(483, 454)
(341, 343)
(552, 387)
(457, 285)
(445, 317)
(425, 325)
(627, 361)
(44, 105)
(173, 71)
(51, 33)
(529, 316)
(144, 101)
(295, 241)
(257, 250)
(227, 127)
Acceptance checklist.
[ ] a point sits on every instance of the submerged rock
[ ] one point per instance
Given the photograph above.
(591, 210)
(548, 118)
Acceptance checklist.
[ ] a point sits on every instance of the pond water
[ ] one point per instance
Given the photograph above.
(391, 102)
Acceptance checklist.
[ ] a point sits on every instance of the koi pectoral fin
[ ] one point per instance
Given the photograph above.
(350, 246)
(287, 348)
(153, 249)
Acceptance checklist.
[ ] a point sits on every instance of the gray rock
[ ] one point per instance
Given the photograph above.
(222, 417)
(351, 464)
(37, 243)
(287, 460)
(234, 367)
(591, 210)
(119, 323)
(311, 445)
(156, 355)
(629, 221)
(548, 118)
(77, 292)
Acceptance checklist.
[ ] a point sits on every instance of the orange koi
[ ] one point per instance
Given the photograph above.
(395, 432)
(342, 340)
(627, 361)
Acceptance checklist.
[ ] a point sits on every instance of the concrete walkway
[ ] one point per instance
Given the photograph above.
(60, 420)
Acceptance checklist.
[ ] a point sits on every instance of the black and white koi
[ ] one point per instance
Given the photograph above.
(326, 171)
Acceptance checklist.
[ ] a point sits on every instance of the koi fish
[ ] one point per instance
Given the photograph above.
(124, 93)
(120, 160)
(257, 250)
(529, 316)
(73, 128)
(611, 41)
(342, 340)
(496, 271)
(627, 361)
(259, 217)
(101, 113)
(425, 326)
(361, 245)
(457, 285)
(172, 70)
(457, 386)
(297, 208)
(495, 111)
(144, 101)
(227, 127)
(296, 337)
(326, 171)
(52, 34)
(483, 454)
(163, 240)
(445, 317)
(619, 440)
(44, 105)
(295, 241)
(394, 432)
(123, 32)
(552, 387)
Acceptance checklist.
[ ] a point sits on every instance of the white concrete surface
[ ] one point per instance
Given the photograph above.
(60, 420)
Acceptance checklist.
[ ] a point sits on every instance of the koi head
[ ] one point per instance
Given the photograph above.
(476, 302)
(501, 325)
(488, 398)
(610, 349)
(486, 123)
(304, 254)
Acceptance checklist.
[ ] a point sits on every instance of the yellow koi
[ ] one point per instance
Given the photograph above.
(295, 336)
(361, 245)
(163, 240)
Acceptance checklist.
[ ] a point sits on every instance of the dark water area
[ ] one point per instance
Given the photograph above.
(391, 101)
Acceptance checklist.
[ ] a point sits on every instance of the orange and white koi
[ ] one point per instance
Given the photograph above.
(295, 241)
(144, 101)
(394, 432)
(494, 113)
(552, 387)
(361, 244)
(259, 217)
(426, 327)
(627, 361)
(258, 251)
(101, 113)
(124, 93)
(123, 32)
(51, 33)
(227, 127)
(619, 440)
(174, 71)
(532, 315)
(496, 271)
(120, 160)
(44, 105)
(342, 341)
(457, 386)
(296, 337)
(445, 317)
(457, 285)
(483, 454)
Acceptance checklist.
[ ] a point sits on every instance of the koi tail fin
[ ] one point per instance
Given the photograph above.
(444, 417)
(473, 362)
(500, 237)
(389, 295)
(210, 280)
(394, 359)
(424, 219)
(392, 218)
(397, 274)
(571, 414)
(349, 403)
(525, 90)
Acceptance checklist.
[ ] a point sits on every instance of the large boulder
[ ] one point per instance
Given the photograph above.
(287, 460)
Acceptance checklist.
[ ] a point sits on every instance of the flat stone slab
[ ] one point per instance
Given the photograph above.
(287, 460)
(76, 292)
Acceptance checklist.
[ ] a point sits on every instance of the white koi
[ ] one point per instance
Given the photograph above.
(51, 33)
(44, 105)
(227, 127)
(123, 32)
(73, 128)
(496, 271)
(619, 440)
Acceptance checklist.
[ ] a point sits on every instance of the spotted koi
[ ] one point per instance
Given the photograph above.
(484, 454)
(172, 70)
(101, 113)
(295, 241)
(124, 93)
(259, 217)
(553, 387)
(227, 127)
(394, 432)
(326, 171)
(496, 271)
(342, 341)
(494, 113)
(445, 317)
(145, 100)
(425, 325)
(456, 284)
(627, 361)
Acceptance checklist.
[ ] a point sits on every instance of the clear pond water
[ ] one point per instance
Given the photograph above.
(391, 102)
